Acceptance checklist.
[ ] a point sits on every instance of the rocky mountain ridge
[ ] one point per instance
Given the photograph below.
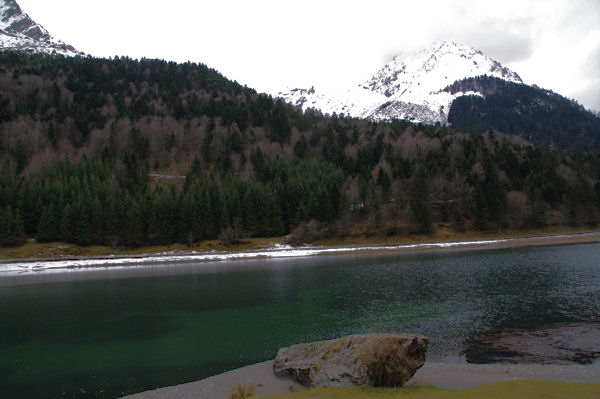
(19, 32)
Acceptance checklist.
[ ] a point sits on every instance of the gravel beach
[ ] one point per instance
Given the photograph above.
(441, 375)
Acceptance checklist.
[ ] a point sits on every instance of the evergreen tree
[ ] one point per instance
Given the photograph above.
(134, 225)
(383, 180)
(301, 148)
(48, 228)
(419, 204)
(280, 127)
(67, 223)
(12, 232)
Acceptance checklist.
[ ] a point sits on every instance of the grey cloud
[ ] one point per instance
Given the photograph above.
(590, 96)
(510, 40)
(507, 38)
(591, 65)
(507, 47)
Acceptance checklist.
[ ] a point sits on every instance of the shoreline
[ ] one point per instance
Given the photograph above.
(441, 375)
(33, 250)
(11, 267)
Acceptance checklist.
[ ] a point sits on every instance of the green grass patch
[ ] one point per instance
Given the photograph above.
(517, 389)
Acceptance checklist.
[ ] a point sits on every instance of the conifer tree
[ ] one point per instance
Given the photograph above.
(419, 204)
(67, 222)
(134, 225)
(11, 227)
(48, 228)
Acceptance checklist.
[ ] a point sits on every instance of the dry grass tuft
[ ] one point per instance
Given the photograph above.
(386, 361)
(242, 391)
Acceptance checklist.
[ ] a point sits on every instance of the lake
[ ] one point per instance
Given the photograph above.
(105, 332)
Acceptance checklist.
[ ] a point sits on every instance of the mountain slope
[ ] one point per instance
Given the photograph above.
(415, 76)
(409, 87)
(90, 147)
(450, 83)
(19, 32)
(540, 116)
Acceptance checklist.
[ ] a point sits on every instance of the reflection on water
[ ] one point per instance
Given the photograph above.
(105, 333)
(563, 343)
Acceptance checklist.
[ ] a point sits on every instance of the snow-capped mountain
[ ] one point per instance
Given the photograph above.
(411, 86)
(19, 32)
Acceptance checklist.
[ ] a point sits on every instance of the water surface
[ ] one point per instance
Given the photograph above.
(106, 333)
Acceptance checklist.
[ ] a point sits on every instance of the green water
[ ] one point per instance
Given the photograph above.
(106, 333)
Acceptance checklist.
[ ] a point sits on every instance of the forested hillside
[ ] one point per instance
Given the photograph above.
(126, 152)
(540, 116)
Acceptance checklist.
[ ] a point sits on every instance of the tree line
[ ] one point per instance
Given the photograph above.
(81, 202)
(79, 138)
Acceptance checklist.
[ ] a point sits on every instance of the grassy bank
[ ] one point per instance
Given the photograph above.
(443, 233)
(33, 249)
(516, 389)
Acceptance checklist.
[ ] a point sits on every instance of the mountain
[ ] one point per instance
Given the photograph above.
(19, 32)
(410, 87)
(452, 84)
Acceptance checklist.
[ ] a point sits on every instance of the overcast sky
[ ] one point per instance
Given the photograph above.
(270, 45)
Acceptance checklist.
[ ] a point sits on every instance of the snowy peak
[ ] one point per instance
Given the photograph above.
(14, 21)
(414, 75)
(409, 87)
(19, 32)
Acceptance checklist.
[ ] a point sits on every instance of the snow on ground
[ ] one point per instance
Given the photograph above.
(8, 268)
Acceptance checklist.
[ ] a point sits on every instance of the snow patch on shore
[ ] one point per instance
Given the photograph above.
(277, 251)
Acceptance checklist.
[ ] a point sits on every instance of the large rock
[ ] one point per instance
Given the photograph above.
(370, 359)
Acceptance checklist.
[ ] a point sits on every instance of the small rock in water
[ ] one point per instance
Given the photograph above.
(369, 359)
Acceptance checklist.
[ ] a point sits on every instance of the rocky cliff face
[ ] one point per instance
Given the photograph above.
(19, 32)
